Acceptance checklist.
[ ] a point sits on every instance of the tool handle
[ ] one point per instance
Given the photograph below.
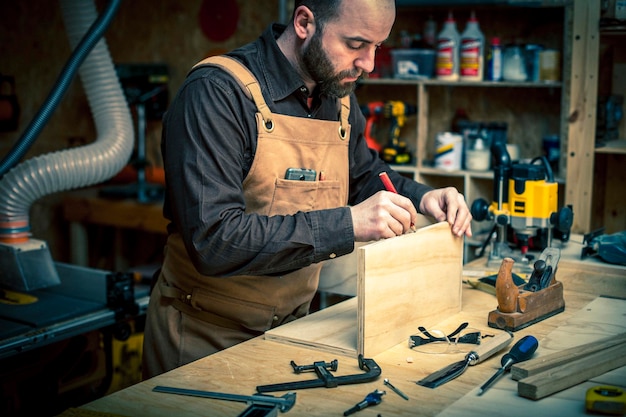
(490, 346)
(506, 290)
(520, 352)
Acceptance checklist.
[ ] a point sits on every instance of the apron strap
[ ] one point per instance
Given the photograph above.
(246, 80)
(182, 302)
(344, 113)
(251, 87)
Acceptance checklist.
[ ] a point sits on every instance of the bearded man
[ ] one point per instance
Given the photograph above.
(268, 175)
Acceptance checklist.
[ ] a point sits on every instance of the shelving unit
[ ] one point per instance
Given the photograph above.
(531, 109)
(420, 137)
(609, 208)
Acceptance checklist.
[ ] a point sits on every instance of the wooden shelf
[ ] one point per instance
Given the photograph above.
(613, 31)
(517, 3)
(486, 84)
(614, 147)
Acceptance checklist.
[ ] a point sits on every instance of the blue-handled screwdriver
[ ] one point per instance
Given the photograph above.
(520, 352)
(373, 398)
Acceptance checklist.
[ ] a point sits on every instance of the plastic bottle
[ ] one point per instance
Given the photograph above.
(494, 60)
(471, 51)
(448, 51)
(430, 32)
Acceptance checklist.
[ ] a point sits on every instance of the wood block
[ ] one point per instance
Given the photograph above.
(543, 363)
(567, 375)
(402, 283)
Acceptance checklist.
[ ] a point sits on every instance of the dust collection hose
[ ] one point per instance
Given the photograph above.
(78, 167)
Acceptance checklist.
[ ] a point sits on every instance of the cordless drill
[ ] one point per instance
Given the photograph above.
(373, 113)
(396, 151)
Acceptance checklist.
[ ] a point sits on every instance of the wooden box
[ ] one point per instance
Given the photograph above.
(402, 283)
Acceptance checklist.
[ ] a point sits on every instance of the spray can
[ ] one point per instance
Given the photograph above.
(471, 51)
(494, 60)
(448, 51)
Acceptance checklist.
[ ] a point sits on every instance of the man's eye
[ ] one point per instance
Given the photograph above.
(356, 45)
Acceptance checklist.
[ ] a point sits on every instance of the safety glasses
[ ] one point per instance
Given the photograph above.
(462, 339)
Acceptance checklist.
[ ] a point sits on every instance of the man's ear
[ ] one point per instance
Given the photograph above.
(304, 23)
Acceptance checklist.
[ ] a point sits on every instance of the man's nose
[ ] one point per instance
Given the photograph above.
(366, 60)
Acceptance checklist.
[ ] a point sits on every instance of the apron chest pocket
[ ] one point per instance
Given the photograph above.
(292, 196)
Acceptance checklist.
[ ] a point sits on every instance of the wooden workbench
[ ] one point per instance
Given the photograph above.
(86, 207)
(241, 368)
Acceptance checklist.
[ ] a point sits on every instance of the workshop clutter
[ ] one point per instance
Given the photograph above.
(392, 113)
(448, 151)
(455, 53)
(413, 63)
(468, 144)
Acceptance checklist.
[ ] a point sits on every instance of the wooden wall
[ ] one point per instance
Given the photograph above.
(34, 48)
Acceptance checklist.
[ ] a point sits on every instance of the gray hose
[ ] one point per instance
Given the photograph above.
(90, 164)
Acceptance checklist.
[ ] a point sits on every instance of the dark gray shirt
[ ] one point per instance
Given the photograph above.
(208, 144)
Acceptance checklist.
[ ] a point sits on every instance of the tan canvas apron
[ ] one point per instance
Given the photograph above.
(192, 315)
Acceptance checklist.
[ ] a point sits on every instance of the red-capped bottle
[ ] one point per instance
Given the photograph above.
(448, 51)
(471, 51)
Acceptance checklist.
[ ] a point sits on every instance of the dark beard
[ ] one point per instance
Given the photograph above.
(321, 70)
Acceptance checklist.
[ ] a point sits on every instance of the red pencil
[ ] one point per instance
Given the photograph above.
(387, 182)
(389, 187)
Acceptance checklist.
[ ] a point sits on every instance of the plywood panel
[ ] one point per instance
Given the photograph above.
(402, 283)
(331, 330)
(409, 281)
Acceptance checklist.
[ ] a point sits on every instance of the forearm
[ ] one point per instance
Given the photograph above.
(259, 245)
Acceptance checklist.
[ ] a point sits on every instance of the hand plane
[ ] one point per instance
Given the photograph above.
(541, 297)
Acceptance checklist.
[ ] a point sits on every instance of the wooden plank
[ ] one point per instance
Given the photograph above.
(422, 124)
(614, 199)
(583, 69)
(567, 375)
(544, 363)
(403, 282)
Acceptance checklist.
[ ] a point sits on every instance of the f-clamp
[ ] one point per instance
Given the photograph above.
(324, 377)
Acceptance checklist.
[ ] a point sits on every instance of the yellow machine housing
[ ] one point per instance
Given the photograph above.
(524, 207)
(532, 202)
(530, 208)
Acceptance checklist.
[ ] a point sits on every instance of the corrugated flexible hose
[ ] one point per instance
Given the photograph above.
(78, 167)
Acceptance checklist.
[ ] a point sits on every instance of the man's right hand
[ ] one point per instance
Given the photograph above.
(383, 215)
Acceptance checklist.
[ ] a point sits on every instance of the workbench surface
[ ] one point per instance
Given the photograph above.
(241, 368)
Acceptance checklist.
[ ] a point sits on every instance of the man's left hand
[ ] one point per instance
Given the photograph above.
(447, 204)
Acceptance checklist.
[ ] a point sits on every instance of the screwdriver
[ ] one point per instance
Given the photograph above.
(373, 398)
(520, 352)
